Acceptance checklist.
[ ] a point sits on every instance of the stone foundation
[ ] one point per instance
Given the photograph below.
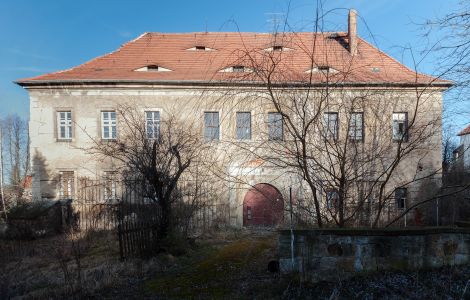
(330, 254)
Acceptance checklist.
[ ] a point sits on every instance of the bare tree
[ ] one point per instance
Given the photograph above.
(158, 155)
(345, 143)
(16, 153)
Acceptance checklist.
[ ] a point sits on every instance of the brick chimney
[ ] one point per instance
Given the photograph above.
(352, 31)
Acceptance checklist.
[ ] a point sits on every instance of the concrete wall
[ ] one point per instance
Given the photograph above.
(332, 254)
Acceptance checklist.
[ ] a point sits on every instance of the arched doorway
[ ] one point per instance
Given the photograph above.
(263, 206)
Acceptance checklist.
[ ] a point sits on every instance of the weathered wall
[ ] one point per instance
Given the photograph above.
(331, 254)
(50, 155)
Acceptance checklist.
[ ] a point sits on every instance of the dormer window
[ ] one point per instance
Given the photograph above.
(152, 68)
(236, 69)
(323, 69)
(200, 48)
(277, 48)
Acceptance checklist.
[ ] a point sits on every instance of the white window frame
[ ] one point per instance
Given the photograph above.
(328, 123)
(397, 119)
(110, 185)
(356, 129)
(108, 122)
(211, 138)
(152, 122)
(66, 184)
(272, 127)
(64, 120)
(244, 135)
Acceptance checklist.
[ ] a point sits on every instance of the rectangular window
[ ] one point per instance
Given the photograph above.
(330, 125)
(108, 125)
(332, 198)
(400, 197)
(64, 125)
(400, 126)
(110, 185)
(66, 184)
(243, 125)
(152, 124)
(211, 126)
(356, 126)
(275, 127)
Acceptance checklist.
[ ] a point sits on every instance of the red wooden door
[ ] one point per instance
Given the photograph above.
(263, 206)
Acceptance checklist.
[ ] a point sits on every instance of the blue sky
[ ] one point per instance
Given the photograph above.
(38, 37)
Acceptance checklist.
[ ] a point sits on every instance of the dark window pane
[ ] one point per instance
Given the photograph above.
(243, 125)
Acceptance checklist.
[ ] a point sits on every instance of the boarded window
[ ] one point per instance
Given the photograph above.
(108, 125)
(66, 184)
(243, 125)
(275, 127)
(400, 197)
(400, 126)
(64, 125)
(330, 125)
(152, 127)
(356, 126)
(211, 126)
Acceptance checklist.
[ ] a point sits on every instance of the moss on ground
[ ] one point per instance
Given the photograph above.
(212, 276)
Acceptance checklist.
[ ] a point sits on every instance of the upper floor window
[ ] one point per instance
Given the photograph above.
(275, 127)
(211, 126)
(330, 125)
(356, 126)
(243, 125)
(400, 197)
(152, 126)
(400, 126)
(108, 125)
(66, 184)
(64, 125)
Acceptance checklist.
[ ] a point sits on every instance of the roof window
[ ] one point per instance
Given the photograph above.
(322, 69)
(152, 68)
(200, 48)
(237, 69)
(277, 48)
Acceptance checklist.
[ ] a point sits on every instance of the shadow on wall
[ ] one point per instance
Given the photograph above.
(44, 182)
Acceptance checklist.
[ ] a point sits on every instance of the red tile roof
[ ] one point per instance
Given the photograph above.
(465, 131)
(170, 51)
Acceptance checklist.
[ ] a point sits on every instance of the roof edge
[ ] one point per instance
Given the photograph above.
(107, 82)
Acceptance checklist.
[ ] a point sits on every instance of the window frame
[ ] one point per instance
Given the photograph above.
(205, 127)
(112, 123)
(326, 126)
(68, 123)
(241, 137)
(270, 125)
(405, 135)
(401, 197)
(70, 193)
(354, 137)
(155, 123)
